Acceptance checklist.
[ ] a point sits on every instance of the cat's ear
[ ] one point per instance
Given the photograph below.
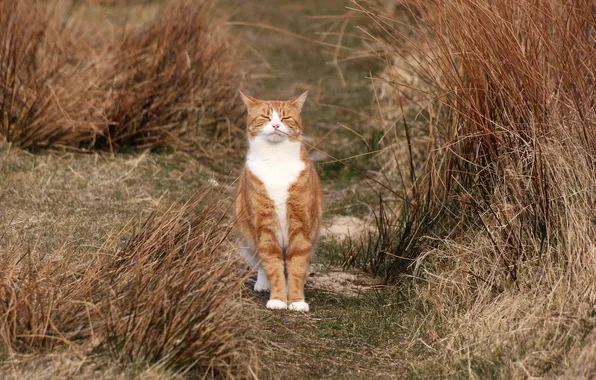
(248, 100)
(298, 101)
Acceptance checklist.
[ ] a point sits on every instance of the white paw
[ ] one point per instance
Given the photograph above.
(276, 304)
(298, 306)
(261, 286)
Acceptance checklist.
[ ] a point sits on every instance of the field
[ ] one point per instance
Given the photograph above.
(456, 142)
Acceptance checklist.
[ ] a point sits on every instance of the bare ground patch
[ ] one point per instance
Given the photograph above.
(349, 283)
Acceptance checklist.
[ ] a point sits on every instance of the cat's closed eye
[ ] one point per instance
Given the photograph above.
(264, 117)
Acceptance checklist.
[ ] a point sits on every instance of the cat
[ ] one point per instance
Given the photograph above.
(278, 201)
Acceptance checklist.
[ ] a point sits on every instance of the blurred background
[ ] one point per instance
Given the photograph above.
(456, 145)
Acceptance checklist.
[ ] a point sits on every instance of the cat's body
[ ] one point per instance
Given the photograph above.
(278, 201)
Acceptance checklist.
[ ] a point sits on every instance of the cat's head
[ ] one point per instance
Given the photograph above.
(274, 121)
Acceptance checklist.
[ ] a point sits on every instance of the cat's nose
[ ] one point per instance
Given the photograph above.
(275, 125)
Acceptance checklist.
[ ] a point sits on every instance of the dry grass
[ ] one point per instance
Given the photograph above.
(173, 295)
(512, 145)
(176, 77)
(506, 96)
(169, 297)
(169, 82)
(39, 301)
(504, 286)
(44, 86)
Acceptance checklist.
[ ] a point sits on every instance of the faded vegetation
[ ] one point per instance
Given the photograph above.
(497, 223)
(169, 296)
(160, 297)
(473, 157)
(168, 83)
(44, 88)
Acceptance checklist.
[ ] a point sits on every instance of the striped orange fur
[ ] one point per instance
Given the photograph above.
(278, 201)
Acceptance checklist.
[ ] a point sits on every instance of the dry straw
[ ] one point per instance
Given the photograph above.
(509, 109)
(171, 296)
(505, 98)
(174, 79)
(43, 91)
(169, 82)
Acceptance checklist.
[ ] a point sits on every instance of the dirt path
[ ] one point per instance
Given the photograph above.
(346, 334)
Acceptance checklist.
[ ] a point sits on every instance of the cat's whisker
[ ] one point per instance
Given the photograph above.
(342, 161)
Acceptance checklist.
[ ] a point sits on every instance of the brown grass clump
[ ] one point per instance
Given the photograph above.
(43, 86)
(173, 296)
(168, 82)
(40, 296)
(176, 77)
(170, 296)
(507, 191)
(510, 119)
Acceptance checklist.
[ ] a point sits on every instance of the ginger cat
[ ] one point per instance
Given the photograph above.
(278, 201)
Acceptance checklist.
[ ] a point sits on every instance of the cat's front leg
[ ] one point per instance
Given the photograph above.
(262, 284)
(298, 258)
(273, 265)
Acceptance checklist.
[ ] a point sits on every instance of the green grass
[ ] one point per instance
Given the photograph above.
(329, 251)
(342, 337)
(82, 198)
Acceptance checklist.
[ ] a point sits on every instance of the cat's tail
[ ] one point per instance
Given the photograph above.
(250, 255)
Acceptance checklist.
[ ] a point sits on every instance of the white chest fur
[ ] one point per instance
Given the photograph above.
(278, 166)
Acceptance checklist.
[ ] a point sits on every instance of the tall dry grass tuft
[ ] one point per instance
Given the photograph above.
(168, 82)
(44, 87)
(511, 92)
(505, 95)
(388, 249)
(175, 78)
(174, 296)
(40, 301)
(170, 296)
